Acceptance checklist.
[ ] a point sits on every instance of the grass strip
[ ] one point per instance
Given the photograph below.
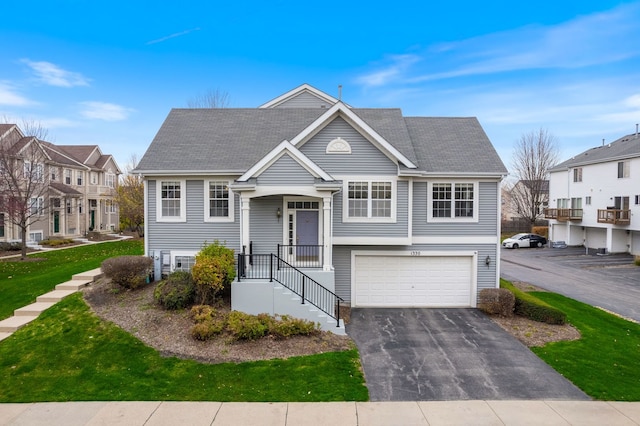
(69, 354)
(21, 282)
(604, 362)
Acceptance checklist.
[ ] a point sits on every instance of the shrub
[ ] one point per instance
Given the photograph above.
(176, 292)
(128, 271)
(7, 246)
(213, 271)
(497, 301)
(55, 242)
(208, 321)
(287, 326)
(533, 308)
(540, 230)
(244, 326)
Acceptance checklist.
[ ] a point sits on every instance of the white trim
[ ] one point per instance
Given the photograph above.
(297, 91)
(368, 178)
(338, 146)
(279, 151)
(453, 219)
(456, 239)
(285, 218)
(420, 253)
(303, 191)
(186, 253)
(230, 216)
(409, 208)
(183, 201)
(145, 184)
(341, 109)
(380, 241)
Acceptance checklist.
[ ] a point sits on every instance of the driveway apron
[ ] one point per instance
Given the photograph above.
(449, 354)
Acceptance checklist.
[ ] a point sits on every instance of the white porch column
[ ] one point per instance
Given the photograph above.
(246, 207)
(609, 242)
(327, 242)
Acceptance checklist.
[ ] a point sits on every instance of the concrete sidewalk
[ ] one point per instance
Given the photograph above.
(328, 413)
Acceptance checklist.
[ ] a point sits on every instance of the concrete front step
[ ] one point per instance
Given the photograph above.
(33, 310)
(12, 324)
(73, 285)
(54, 296)
(88, 275)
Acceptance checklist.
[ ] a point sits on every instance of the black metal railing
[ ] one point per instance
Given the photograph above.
(265, 266)
(302, 256)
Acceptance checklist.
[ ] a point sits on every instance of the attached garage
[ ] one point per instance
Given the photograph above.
(413, 279)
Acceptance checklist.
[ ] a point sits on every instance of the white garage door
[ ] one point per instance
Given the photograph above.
(424, 281)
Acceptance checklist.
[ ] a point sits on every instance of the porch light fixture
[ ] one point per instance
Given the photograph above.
(487, 261)
(278, 213)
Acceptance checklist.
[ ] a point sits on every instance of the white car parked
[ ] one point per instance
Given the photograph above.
(524, 240)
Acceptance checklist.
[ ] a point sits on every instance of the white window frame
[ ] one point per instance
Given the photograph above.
(626, 169)
(183, 201)
(109, 207)
(181, 253)
(393, 180)
(453, 218)
(79, 177)
(207, 214)
(577, 175)
(33, 171)
(110, 180)
(67, 176)
(93, 178)
(38, 204)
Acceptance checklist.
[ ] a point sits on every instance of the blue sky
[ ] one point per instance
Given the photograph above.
(108, 73)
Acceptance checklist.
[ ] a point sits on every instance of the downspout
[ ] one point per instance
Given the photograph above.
(145, 183)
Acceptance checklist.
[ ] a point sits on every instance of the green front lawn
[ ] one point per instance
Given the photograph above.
(22, 281)
(69, 354)
(604, 362)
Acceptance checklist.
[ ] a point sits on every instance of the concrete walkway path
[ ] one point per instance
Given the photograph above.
(327, 413)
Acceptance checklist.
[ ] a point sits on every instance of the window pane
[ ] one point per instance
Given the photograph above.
(441, 195)
(218, 199)
(358, 195)
(464, 200)
(170, 199)
(381, 199)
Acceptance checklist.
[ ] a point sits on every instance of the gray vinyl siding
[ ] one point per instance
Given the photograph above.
(374, 229)
(365, 158)
(304, 100)
(265, 229)
(191, 235)
(286, 171)
(487, 213)
(342, 262)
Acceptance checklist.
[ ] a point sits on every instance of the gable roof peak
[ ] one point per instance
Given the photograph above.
(303, 88)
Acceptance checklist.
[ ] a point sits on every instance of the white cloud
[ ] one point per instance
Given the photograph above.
(185, 32)
(53, 75)
(9, 96)
(393, 71)
(105, 111)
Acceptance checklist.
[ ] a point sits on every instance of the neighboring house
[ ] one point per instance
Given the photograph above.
(517, 201)
(381, 209)
(81, 182)
(596, 195)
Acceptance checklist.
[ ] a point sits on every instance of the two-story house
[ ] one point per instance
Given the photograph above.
(596, 195)
(379, 209)
(81, 184)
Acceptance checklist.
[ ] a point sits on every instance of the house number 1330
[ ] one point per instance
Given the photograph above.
(415, 253)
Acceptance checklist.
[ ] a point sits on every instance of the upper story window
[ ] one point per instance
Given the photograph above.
(33, 172)
(79, 177)
(587, 200)
(54, 174)
(69, 207)
(370, 200)
(171, 201)
(623, 169)
(220, 201)
(637, 199)
(37, 206)
(110, 180)
(67, 176)
(577, 174)
(453, 201)
(55, 203)
(109, 207)
(93, 178)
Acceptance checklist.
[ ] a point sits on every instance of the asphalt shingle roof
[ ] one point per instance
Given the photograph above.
(234, 139)
(626, 147)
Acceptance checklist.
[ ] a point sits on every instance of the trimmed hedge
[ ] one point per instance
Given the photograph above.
(531, 307)
(497, 301)
(540, 230)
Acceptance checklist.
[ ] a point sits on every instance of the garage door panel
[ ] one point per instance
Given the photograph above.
(437, 281)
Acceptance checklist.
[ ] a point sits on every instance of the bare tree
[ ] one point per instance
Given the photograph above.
(24, 182)
(535, 153)
(130, 198)
(212, 98)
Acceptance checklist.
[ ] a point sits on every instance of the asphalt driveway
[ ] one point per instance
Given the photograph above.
(449, 354)
(611, 282)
